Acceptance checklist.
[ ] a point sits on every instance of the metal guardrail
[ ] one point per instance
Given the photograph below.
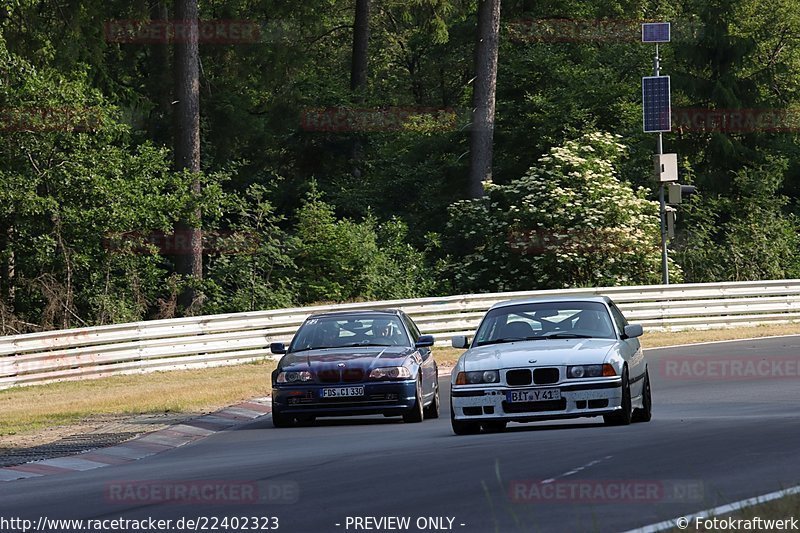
(217, 340)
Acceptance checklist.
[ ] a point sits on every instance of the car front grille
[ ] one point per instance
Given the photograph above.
(351, 375)
(348, 375)
(518, 377)
(523, 376)
(329, 376)
(543, 376)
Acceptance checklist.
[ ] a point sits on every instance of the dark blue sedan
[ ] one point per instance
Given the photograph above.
(355, 363)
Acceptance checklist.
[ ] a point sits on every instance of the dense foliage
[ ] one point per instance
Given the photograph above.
(568, 222)
(314, 191)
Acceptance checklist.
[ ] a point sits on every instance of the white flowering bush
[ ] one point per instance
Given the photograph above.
(569, 222)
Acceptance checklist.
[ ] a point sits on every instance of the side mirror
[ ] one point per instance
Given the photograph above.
(460, 341)
(277, 347)
(424, 341)
(633, 330)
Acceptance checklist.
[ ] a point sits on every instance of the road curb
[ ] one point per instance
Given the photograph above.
(145, 445)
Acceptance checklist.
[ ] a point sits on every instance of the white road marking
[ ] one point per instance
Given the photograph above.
(716, 511)
(576, 470)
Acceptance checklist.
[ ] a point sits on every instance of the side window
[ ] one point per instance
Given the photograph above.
(412, 328)
(619, 319)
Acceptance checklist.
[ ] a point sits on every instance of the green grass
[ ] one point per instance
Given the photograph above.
(33, 408)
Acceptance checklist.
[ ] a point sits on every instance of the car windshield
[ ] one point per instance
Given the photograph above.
(349, 331)
(543, 321)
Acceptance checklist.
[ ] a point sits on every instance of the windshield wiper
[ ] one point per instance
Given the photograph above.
(563, 335)
(363, 343)
(510, 339)
(308, 348)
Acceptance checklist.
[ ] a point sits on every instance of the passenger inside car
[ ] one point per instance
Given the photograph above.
(516, 330)
(593, 323)
(386, 332)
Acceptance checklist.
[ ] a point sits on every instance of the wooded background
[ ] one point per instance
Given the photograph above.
(339, 150)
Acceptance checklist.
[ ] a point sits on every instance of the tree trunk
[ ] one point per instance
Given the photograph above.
(358, 74)
(188, 238)
(483, 96)
(9, 281)
(162, 85)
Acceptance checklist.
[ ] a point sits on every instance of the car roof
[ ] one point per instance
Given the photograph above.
(365, 312)
(553, 299)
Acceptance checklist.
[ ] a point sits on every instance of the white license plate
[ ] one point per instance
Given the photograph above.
(342, 392)
(533, 395)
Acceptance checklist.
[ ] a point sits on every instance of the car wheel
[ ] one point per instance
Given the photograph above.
(646, 412)
(280, 420)
(623, 416)
(416, 413)
(432, 411)
(495, 426)
(463, 428)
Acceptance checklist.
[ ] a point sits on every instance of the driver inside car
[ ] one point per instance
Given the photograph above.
(385, 332)
(593, 322)
(328, 336)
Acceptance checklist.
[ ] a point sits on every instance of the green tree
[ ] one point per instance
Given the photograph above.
(249, 266)
(340, 260)
(568, 222)
(746, 235)
(78, 200)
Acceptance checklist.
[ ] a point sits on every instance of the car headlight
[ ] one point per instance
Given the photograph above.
(390, 372)
(294, 377)
(590, 371)
(476, 378)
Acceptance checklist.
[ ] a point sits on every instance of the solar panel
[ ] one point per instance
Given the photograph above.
(656, 106)
(655, 32)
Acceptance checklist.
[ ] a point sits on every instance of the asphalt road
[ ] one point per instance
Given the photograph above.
(713, 439)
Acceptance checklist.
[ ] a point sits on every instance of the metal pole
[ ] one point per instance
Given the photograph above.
(661, 200)
(663, 216)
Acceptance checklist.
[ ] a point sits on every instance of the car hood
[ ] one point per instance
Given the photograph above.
(364, 357)
(557, 352)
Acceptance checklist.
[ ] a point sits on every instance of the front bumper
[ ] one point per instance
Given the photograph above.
(380, 397)
(585, 398)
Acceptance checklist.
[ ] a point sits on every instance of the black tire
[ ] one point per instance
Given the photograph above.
(495, 426)
(623, 416)
(463, 428)
(645, 414)
(416, 413)
(432, 410)
(280, 420)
